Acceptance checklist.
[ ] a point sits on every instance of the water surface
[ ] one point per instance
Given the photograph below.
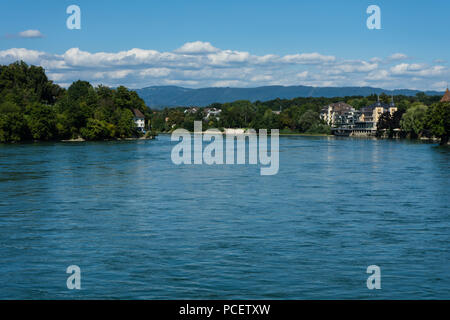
(140, 227)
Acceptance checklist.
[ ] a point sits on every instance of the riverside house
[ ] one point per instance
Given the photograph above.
(367, 122)
(337, 114)
(139, 119)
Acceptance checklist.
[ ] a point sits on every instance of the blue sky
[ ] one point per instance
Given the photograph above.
(232, 43)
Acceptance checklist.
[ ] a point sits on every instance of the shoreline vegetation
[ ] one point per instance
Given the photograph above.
(33, 108)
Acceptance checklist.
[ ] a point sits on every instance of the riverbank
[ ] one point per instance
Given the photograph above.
(80, 139)
(245, 132)
(423, 139)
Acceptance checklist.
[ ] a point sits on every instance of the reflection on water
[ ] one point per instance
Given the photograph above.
(141, 227)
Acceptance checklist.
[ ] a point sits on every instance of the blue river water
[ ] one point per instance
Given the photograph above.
(140, 227)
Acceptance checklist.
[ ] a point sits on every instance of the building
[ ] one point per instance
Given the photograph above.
(139, 119)
(277, 112)
(446, 97)
(335, 113)
(369, 116)
(191, 110)
(345, 120)
(212, 112)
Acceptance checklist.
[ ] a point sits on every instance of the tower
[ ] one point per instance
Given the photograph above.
(446, 97)
(392, 105)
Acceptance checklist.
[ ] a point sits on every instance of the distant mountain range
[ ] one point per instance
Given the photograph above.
(172, 96)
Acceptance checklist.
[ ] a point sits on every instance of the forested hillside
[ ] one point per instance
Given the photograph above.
(34, 108)
(173, 96)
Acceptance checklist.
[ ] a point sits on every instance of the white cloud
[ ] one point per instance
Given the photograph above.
(376, 60)
(378, 75)
(307, 58)
(302, 75)
(30, 34)
(30, 56)
(228, 83)
(434, 71)
(422, 70)
(226, 57)
(353, 66)
(199, 64)
(58, 77)
(398, 56)
(155, 72)
(261, 78)
(76, 57)
(118, 74)
(196, 47)
(440, 85)
(405, 68)
(187, 83)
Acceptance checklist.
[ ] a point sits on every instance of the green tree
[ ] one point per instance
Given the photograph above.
(438, 121)
(63, 128)
(125, 126)
(13, 127)
(308, 120)
(414, 119)
(42, 122)
(27, 84)
(97, 130)
(79, 90)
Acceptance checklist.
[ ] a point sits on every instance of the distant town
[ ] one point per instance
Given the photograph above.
(374, 116)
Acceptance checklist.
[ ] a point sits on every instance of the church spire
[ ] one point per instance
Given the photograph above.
(392, 101)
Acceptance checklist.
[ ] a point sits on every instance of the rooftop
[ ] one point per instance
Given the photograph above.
(446, 97)
(137, 113)
(338, 107)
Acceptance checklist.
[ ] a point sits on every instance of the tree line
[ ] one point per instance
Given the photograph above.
(301, 115)
(418, 120)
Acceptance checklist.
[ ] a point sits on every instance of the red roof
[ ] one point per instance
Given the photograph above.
(446, 97)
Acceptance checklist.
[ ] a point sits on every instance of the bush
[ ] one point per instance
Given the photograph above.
(438, 121)
(98, 130)
(413, 120)
(42, 122)
(13, 128)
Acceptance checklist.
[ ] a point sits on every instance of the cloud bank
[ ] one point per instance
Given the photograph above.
(200, 64)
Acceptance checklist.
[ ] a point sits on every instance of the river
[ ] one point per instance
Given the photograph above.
(141, 227)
